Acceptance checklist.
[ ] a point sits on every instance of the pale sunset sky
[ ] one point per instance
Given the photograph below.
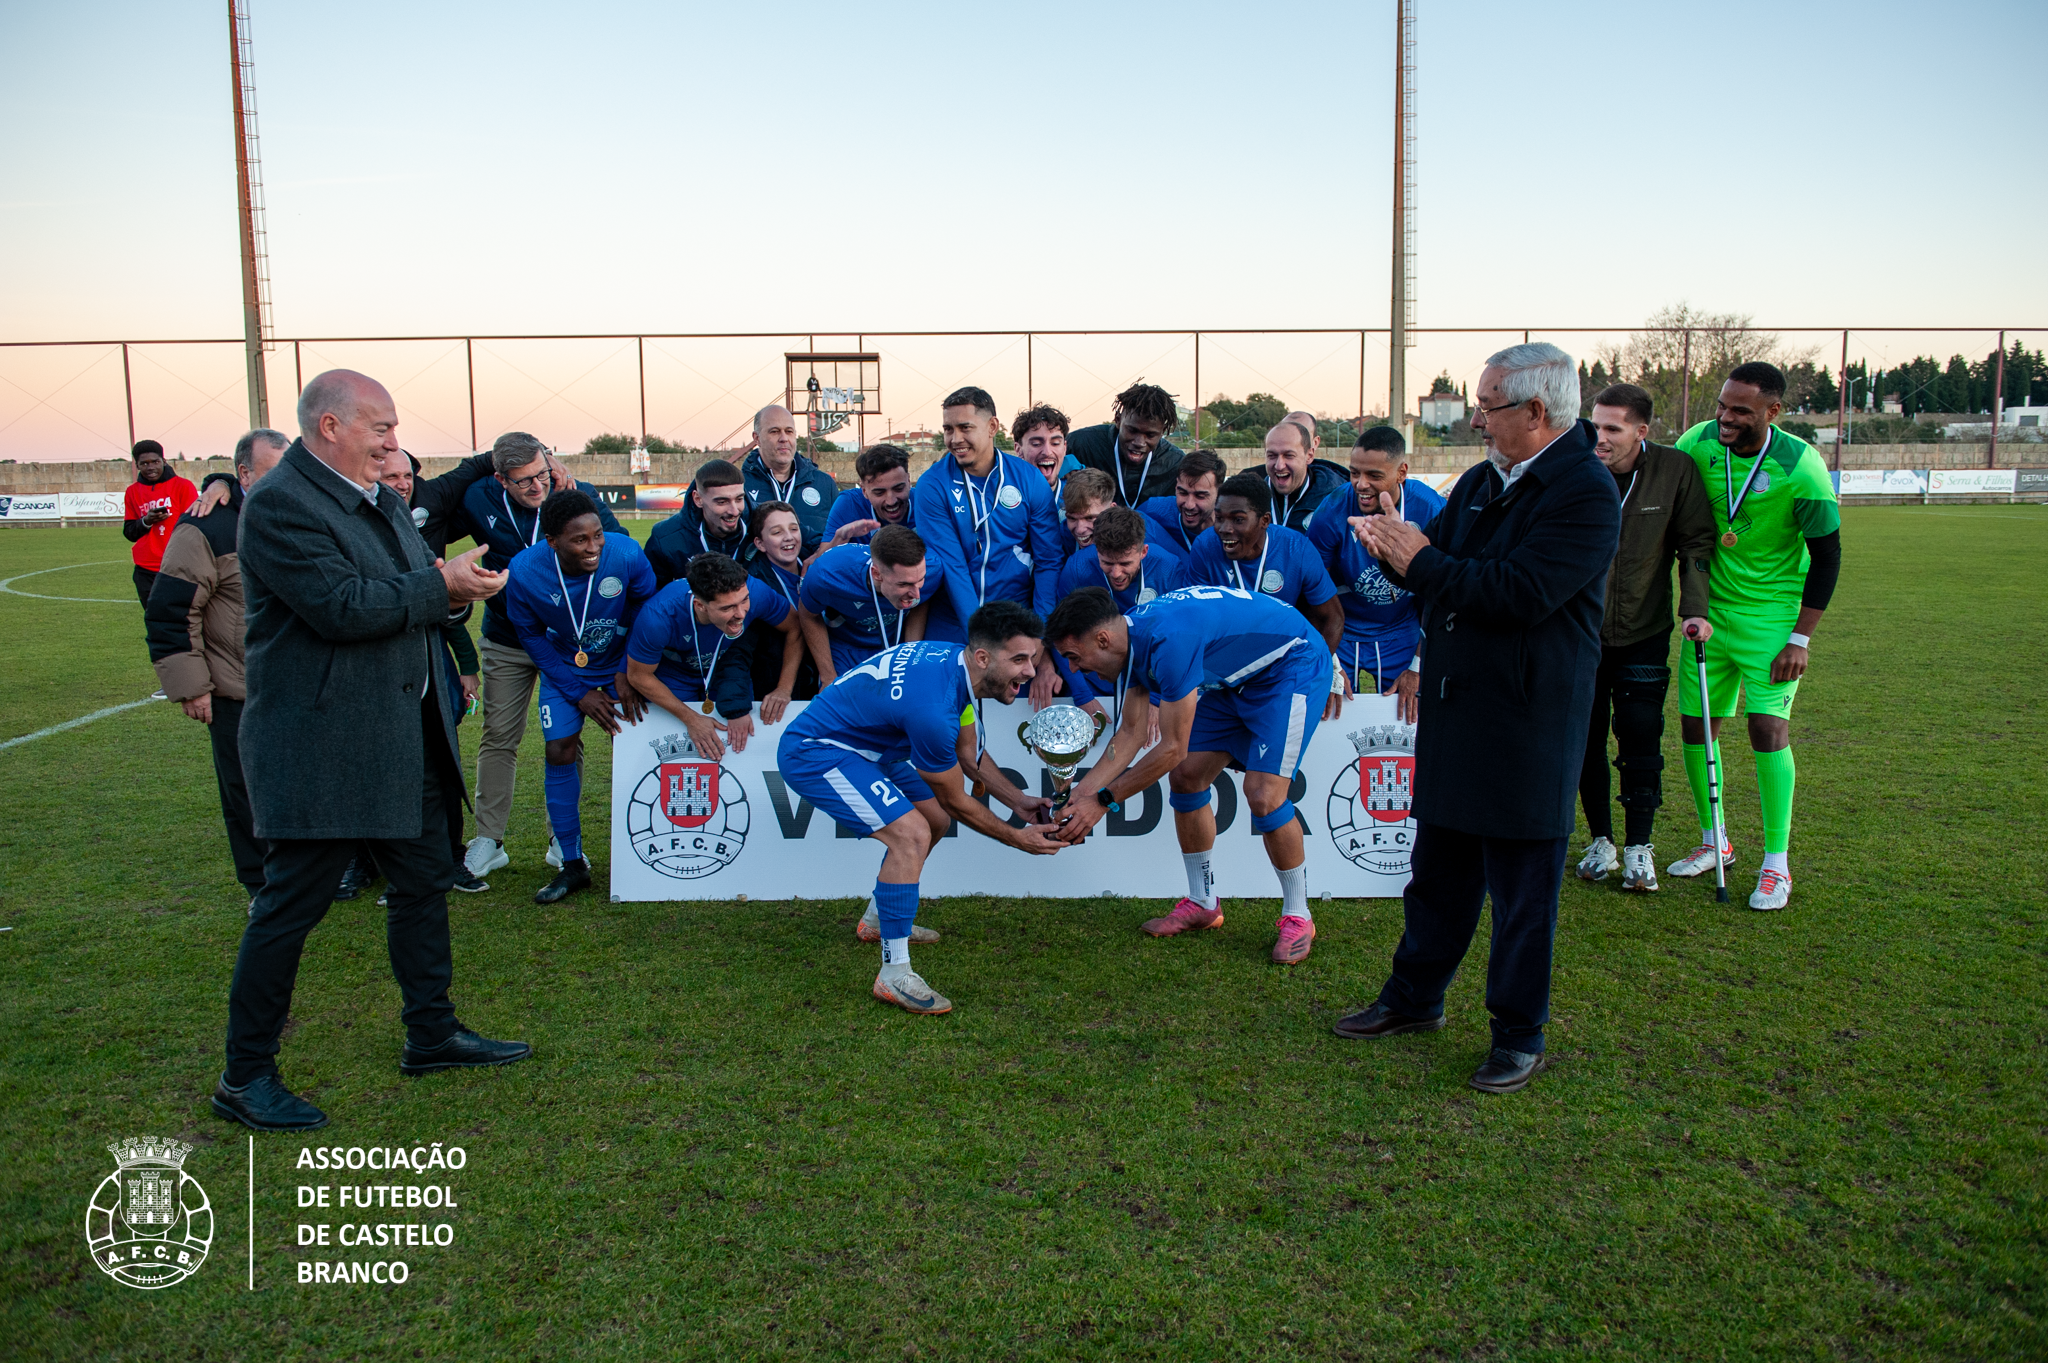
(466, 168)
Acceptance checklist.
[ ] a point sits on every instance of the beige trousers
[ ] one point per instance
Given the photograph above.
(509, 677)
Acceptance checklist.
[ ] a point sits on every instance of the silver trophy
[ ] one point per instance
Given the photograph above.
(1061, 735)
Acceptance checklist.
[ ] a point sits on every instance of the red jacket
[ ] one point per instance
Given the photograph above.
(174, 492)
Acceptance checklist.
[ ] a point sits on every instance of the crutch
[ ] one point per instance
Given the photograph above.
(1699, 657)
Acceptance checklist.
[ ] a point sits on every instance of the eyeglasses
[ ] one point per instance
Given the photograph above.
(1505, 405)
(526, 484)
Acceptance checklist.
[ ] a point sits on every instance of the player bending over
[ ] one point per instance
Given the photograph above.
(572, 600)
(882, 749)
(1235, 675)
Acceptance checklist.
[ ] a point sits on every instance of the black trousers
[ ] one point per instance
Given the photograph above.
(246, 847)
(1630, 687)
(1453, 875)
(145, 578)
(299, 876)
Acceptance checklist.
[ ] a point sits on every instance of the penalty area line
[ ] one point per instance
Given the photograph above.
(75, 723)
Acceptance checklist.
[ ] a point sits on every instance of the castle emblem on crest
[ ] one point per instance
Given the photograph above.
(688, 817)
(149, 1224)
(1370, 803)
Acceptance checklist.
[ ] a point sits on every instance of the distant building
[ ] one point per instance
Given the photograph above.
(1440, 409)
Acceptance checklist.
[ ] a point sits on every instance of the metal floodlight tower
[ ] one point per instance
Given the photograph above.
(1404, 214)
(249, 181)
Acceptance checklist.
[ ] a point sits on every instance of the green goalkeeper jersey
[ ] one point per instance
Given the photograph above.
(1790, 500)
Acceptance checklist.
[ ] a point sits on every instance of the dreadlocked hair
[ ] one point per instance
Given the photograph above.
(1147, 402)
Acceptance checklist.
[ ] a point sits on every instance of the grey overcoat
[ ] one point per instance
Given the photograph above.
(343, 601)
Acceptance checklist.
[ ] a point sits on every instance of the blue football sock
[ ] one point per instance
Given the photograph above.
(897, 907)
(565, 800)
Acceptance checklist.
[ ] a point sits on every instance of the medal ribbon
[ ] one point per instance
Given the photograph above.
(1734, 499)
(882, 626)
(528, 540)
(581, 657)
(1116, 459)
(1260, 577)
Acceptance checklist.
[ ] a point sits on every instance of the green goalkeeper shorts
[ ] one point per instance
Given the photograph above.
(1739, 659)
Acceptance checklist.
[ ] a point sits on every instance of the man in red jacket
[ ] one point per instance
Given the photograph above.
(150, 511)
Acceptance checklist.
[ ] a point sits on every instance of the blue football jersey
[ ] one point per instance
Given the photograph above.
(1382, 622)
(852, 505)
(993, 538)
(556, 615)
(909, 703)
(1210, 639)
(690, 657)
(1289, 568)
(859, 621)
(1161, 572)
(1162, 525)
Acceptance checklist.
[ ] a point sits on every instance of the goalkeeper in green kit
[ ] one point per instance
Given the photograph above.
(1777, 555)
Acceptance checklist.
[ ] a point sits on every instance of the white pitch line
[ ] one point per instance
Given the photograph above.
(7, 585)
(74, 723)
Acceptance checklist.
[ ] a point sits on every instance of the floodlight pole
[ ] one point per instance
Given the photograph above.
(1842, 401)
(255, 279)
(1404, 214)
(1997, 405)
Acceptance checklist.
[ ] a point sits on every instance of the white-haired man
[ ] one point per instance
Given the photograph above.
(1511, 575)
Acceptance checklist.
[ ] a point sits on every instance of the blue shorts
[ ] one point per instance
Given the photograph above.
(559, 717)
(861, 795)
(1266, 725)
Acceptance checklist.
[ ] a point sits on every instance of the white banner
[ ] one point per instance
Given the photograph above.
(698, 830)
(90, 504)
(36, 507)
(1881, 483)
(1970, 480)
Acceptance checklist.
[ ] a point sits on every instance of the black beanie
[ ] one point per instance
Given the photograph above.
(143, 447)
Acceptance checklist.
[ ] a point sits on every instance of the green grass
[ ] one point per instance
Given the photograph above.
(1810, 1134)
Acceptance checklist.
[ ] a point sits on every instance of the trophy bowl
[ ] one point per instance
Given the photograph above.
(1061, 736)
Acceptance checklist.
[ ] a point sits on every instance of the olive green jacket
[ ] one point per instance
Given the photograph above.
(1665, 515)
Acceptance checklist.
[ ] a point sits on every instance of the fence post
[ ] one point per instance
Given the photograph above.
(1997, 405)
(128, 389)
(1842, 400)
(1197, 432)
(641, 343)
(469, 363)
(1685, 385)
(1029, 400)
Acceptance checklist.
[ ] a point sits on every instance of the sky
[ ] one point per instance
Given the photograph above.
(463, 169)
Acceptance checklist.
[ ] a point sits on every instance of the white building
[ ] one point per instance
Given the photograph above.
(1440, 409)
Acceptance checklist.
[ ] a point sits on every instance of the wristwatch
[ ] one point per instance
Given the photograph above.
(1108, 801)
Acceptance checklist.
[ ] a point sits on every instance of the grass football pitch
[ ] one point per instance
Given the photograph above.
(1812, 1134)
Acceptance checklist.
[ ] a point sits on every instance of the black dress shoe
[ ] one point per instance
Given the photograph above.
(354, 880)
(462, 1050)
(575, 876)
(1370, 1024)
(267, 1105)
(468, 883)
(1506, 1070)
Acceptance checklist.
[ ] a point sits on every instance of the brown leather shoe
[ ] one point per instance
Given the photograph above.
(1370, 1024)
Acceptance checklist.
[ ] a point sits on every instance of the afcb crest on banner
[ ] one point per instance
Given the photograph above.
(688, 817)
(1369, 808)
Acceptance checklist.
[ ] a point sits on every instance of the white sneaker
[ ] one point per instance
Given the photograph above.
(555, 853)
(1600, 859)
(1639, 867)
(1701, 860)
(909, 992)
(1773, 891)
(485, 855)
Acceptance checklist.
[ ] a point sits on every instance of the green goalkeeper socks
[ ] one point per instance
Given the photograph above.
(1774, 780)
(1696, 777)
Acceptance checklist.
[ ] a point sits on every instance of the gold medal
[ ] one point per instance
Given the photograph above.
(709, 708)
(1728, 540)
(582, 658)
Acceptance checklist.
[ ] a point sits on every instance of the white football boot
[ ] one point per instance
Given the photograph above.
(1701, 860)
(909, 992)
(1773, 891)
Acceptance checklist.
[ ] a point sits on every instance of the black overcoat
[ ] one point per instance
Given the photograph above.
(1512, 585)
(343, 605)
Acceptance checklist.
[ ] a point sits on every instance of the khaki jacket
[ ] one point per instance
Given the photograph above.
(194, 618)
(1665, 517)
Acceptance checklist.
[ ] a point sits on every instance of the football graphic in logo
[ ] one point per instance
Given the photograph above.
(1369, 816)
(688, 817)
(149, 1224)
